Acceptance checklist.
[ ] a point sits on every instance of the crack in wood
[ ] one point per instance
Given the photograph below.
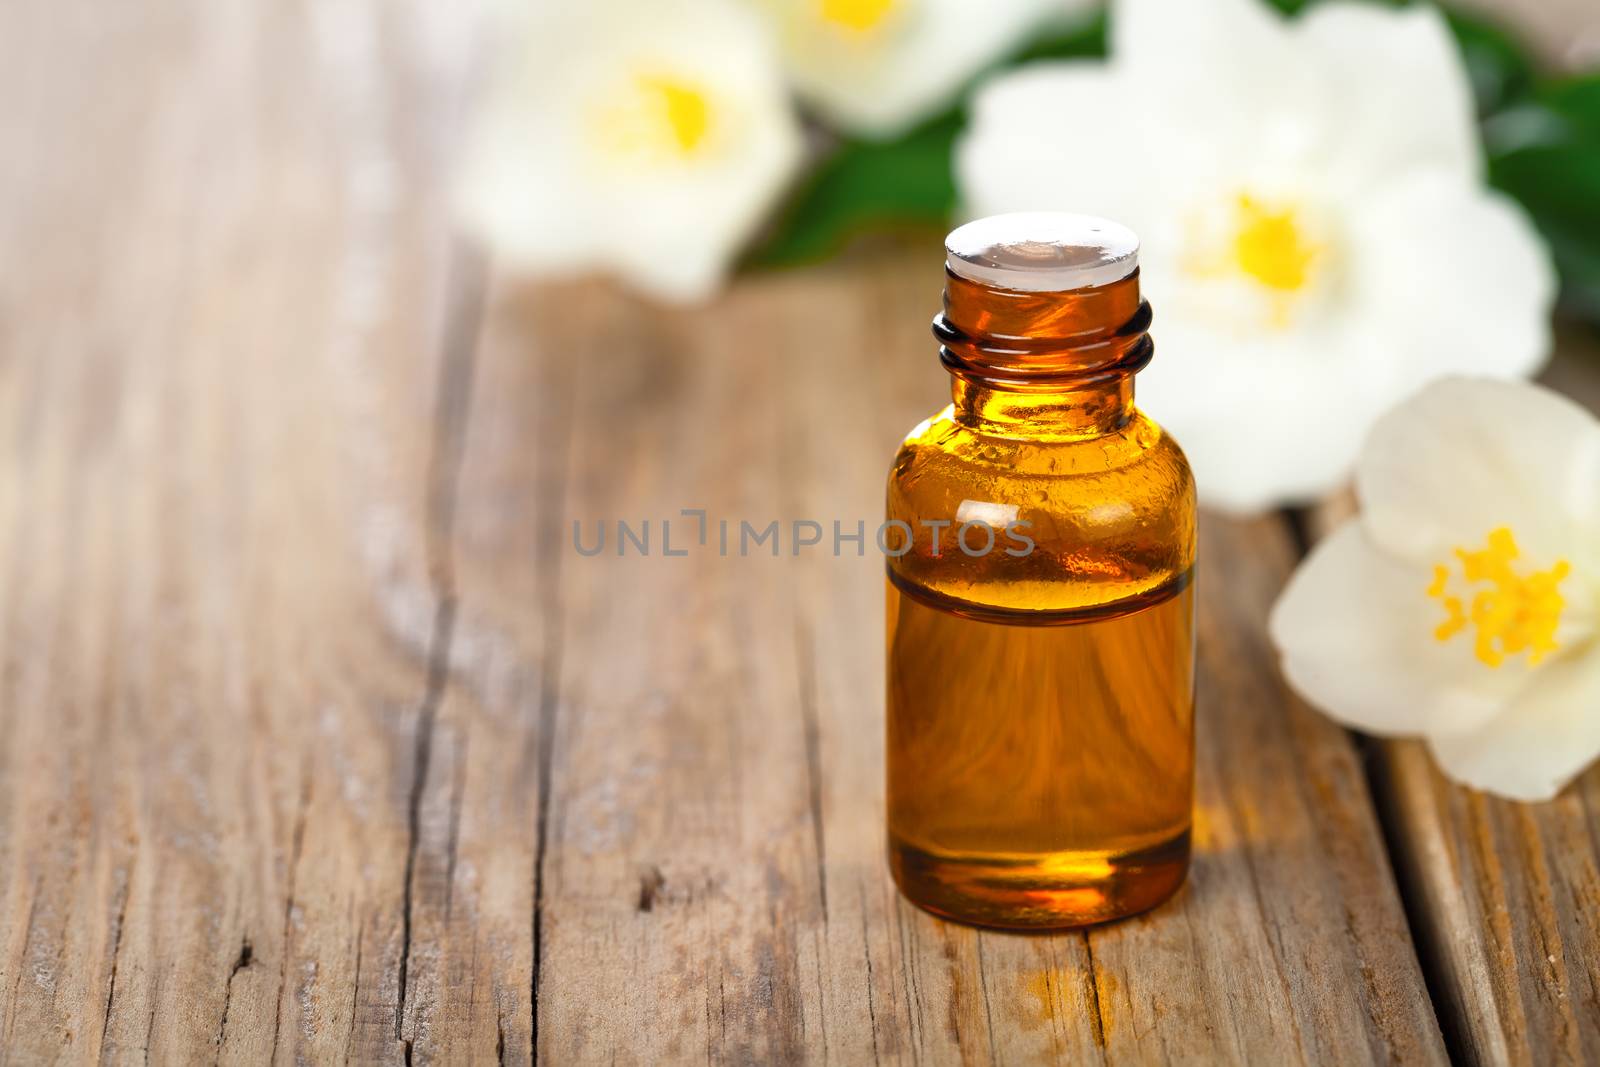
(458, 787)
(651, 882)
(116, 953)
(547, 716)
(150, 1024)
(422, 755)
(444, 467)
(908, 955)
(983, 991)
(355, 1001)
(806, 662)
(866, 951)
(550, 603)
(1097, 1018)
(296, 843)
(245, 958)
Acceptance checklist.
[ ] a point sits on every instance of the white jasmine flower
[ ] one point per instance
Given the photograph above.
(874, 67)
(641, 138)
(1464, 604)
(1317, 238)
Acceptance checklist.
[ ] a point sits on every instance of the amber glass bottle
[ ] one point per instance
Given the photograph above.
(1040, 606)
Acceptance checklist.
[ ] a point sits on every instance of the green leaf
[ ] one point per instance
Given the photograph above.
(1577, 101)
(1084, 39)
(1498, 67)
(1559, 185)
(865, 185)
(1545, 152)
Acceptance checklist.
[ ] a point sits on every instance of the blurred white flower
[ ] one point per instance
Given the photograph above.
(640, 138)
(874, 67)
(1317, 239)
(1464, 604)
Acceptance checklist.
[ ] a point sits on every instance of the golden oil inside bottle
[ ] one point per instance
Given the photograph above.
(1040, 764)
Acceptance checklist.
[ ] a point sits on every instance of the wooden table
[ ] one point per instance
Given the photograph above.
(321, 743)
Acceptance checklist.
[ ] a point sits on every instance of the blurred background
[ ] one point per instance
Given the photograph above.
(1339, 203)
(866, 102)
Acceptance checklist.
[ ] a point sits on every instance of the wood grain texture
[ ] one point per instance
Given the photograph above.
(712, 882)
(225, 277)
(1508, 903)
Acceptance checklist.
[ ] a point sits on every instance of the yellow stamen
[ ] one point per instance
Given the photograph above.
(1455, 619)
(859, 16)
(658, 115)
(1270, 247)
(1515, 614)
(684, 106)
(1441, 575)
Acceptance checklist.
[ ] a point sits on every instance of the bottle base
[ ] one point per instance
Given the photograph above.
(1039, 891)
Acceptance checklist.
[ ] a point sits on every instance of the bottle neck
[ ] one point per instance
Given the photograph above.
(1009, 411)
(1055, 364)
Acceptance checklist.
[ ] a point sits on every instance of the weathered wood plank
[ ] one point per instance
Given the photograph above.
(224, 271)
(1508, 903)
(712, 883)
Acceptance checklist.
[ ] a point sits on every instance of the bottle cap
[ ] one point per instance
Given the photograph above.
(1042, 251)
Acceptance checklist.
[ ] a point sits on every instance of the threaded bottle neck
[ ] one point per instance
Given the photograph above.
(1046, 363)
(1015, 337)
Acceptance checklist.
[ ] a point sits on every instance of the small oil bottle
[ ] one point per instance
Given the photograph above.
(1041, 542)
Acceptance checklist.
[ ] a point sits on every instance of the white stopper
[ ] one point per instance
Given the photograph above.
(1042, 251)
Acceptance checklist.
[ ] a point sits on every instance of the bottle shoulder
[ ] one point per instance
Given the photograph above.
(1141, 458)
(1105, 518)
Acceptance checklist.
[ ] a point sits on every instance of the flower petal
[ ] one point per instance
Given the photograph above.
(546, 183)
(1457, 272)
(1004, 164)
(1539, 743)
(879, 81)
(1218, 43)
(1355, 629)
(1402, 96)
(1212, 90)
(1467, 456)
(1206, 387)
